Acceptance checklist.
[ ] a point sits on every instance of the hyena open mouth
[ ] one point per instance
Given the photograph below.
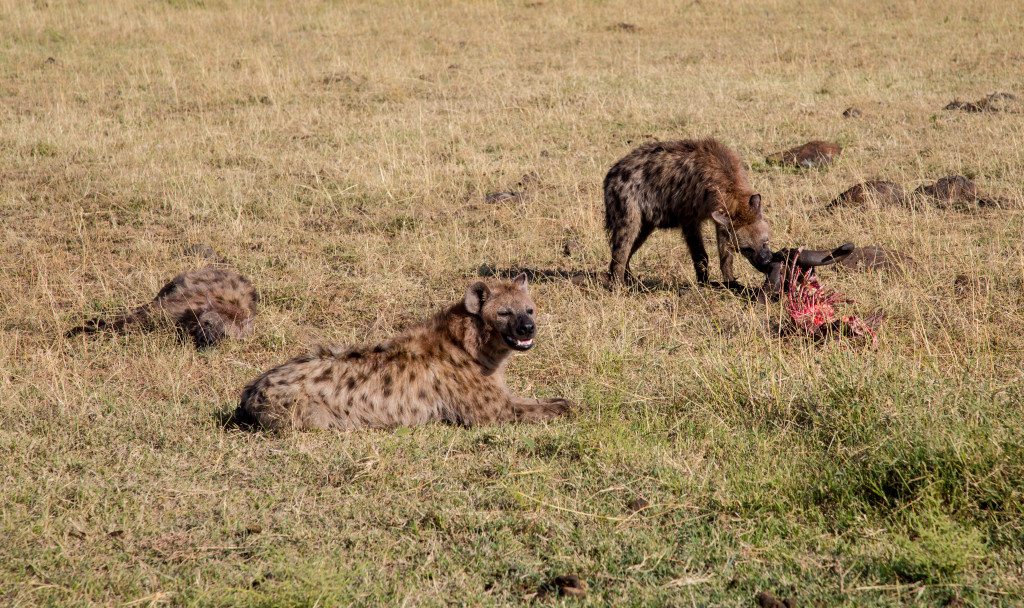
(518, 344)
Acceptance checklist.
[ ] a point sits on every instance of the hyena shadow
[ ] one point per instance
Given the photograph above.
(594, 279)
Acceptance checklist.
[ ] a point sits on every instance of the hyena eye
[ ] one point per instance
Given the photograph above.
(504, 312)
(529, 311)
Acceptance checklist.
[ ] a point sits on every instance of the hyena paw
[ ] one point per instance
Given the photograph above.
(558, 407)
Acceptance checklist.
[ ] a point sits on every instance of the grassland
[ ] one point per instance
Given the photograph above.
(339, 154)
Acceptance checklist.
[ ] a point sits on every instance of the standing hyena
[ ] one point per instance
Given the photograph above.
(682, 184)
(448, 369)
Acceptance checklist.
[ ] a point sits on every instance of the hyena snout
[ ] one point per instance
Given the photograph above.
(759, 257)
(520, 332)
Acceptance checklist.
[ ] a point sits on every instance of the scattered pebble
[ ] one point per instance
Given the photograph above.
(503, 197)
(812, 154)
(873, 192)
(638, 503)
(568, 585)
(965, 284)
(959, 193)
(766, 600)
(996, 102)
(873, 257)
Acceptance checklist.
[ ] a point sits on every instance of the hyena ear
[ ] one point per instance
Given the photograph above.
(520, 282)
(721, 217)
(476, 295)
(755, 203)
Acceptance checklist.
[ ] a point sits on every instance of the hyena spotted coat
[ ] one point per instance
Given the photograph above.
(682, 184)
(450, 368)
(208, 305)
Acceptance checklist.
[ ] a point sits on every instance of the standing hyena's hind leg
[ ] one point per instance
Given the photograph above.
(695, 242)
(622, 238)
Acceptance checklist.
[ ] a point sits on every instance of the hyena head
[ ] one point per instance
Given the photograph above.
(505, 307)
(748, 229)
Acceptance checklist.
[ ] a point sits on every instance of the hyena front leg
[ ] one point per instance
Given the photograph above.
(695, 242)
(725, 255)
(538, 410)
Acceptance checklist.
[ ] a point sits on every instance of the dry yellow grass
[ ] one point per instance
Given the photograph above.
(339, 155)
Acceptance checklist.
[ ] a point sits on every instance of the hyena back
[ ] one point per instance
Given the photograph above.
(449, 368)
(208, 305)
(682, 184)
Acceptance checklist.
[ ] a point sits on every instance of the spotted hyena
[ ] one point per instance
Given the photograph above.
(207, 304)
(450, 368)
(682, 184)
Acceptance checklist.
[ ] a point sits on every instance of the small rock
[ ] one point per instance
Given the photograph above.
(503, 197)
(812, 154)
(852, 112)
(569, 585)
(201, 250)
(996, 102)
(873, 192)
(956, 192)
(528, 179)
(873, 257)
(253, 529)
(638, 503)
(766, 600)
(965, 284)
(951, 188)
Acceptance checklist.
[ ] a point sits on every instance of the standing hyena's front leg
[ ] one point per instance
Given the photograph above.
(695, 243)
(725, 255)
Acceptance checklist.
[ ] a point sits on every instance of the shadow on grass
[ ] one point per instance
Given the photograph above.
(236, 419)
(599, 280)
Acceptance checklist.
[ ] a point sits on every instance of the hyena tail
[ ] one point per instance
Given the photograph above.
(243, 415)
(116, 324)
(612, 206)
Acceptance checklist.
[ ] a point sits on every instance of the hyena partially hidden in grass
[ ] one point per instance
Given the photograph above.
(207, 305)
(449, 368)
(682, 184)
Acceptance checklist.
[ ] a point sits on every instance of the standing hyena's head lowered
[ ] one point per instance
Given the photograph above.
(748, 228)
(505, 308)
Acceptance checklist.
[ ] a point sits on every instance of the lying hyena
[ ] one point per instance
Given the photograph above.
(207, 304)
(450, 368)
(682, 184)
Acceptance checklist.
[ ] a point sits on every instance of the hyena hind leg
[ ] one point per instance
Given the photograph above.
(624, 239)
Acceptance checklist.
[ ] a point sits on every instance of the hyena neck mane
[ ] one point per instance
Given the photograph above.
(476, 337)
